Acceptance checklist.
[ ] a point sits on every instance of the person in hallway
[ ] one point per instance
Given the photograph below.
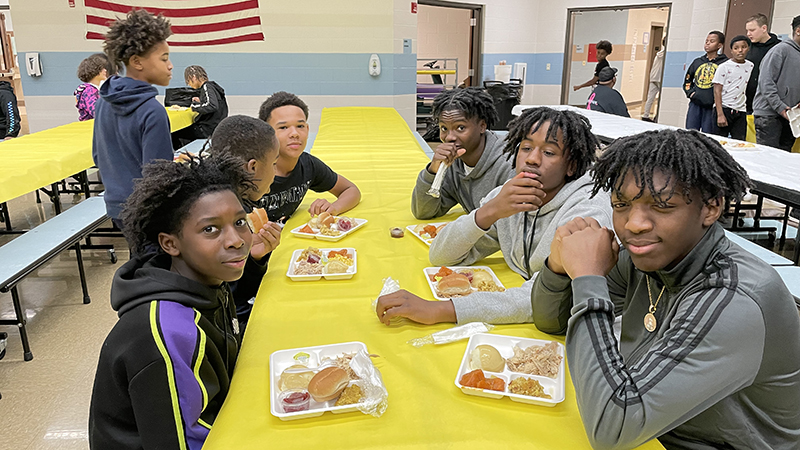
(656, 74)
(778, 92)
(730, 85)
(761, 42)
(698, 85)
(605, 98)
(709, 353)
(604, 48)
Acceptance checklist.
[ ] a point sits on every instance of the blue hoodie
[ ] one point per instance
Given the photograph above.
(131, 129)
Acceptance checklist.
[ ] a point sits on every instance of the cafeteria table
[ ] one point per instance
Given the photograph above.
(374, 148)
(39, 159)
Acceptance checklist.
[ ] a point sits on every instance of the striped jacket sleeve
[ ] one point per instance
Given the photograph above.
(683, 372)
(168, 396)
(208, 101)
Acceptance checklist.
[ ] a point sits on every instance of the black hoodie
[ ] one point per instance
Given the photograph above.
(9, 112)
(212, 108)
(757, 52)
(698, 85)
(166, 366)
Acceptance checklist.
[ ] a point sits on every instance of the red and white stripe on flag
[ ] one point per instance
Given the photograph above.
(194, 22)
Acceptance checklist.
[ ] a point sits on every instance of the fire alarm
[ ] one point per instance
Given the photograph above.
(413, 7)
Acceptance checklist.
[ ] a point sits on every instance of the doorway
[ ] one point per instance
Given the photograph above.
(636, 34)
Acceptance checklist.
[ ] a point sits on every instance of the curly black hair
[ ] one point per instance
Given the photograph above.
(578, 141)
(277, 100)
(471, 101)
(245, 137)
(92, 66)
(195, 71)
(694, 160)
(605, 45)
(162, 198)
(136, 34)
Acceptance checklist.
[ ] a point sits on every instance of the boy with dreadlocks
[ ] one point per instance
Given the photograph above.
(465, 117)
(552, 151)
(166, 366)
(131, 127)
(709, 354)
(210, 105)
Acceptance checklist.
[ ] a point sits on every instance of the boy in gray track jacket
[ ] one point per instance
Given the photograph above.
(709, 355)
(552, 152)
(465, 117)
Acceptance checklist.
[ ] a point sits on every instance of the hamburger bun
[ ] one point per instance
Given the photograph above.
(257, 219)
(454, 284)
(327, 384)
(326, 219)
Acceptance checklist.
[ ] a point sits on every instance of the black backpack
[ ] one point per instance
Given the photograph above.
(181, 96)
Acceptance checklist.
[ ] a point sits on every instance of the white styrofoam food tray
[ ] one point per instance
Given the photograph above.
(426, 241)
(282, 359)
(505, 345)
(429, 271)
(351, 252)
(794, 121)
(317, 235)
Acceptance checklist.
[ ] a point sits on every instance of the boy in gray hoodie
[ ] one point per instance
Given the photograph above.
(778, 91)
(552, 151)
(465, 117)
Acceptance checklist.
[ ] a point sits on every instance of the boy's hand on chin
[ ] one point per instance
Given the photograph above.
(583, 247)
(265, 240)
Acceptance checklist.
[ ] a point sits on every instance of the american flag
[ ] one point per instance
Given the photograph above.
(194, 22)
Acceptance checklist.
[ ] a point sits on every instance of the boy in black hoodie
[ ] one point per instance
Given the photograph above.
(210, 104)
(131, 127)
(166, 366)
(699, 87)
(761, 42)
(9, 113)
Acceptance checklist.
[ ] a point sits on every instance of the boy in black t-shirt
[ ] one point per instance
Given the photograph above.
(298, 171)
(604, 49)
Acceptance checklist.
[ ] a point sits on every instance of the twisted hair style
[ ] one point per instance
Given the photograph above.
(195, 71)
(690, 159)
(164, 196)
(578, 141)
(136, 34)
(471, 101)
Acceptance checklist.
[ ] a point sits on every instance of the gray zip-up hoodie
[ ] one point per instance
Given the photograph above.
(463, 242)
(778, 86)
(721, 370)
(493, 169)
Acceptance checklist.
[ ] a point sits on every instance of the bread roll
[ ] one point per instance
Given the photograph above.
(454, 284)
(327, 384)
(258, 218)
(486, 357)
(326, 220)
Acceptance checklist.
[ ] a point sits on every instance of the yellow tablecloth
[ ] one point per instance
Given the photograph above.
(375, 148)
(39, 159)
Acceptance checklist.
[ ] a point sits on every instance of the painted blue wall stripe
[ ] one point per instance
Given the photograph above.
(256, 73)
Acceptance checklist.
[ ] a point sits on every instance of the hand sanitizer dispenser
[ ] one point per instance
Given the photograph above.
(33, 65)
(374, 65)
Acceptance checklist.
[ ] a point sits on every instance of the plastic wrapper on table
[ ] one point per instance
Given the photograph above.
(436, 186)
(453, 334)
(376, 397)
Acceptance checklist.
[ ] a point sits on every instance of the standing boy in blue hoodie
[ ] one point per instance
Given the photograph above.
(131, 127)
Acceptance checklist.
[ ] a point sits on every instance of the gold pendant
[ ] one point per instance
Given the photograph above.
(650, 323)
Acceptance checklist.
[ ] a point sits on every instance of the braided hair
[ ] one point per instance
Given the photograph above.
(471, 101)
(163, 197)
(136, 34)
(197, 72)
(692, 159)
(578, 141)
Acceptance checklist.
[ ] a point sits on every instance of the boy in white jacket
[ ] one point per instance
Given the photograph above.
(552, 151)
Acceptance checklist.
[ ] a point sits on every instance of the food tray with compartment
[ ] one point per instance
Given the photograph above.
(283, 359)
(505, 345)
(430, 271)
(427, 241)
(317, 235)
(351, 271)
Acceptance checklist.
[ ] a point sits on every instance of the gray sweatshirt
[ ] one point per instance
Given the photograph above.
(492, 170)
(778, 85)
(463, 242)
(721, 370)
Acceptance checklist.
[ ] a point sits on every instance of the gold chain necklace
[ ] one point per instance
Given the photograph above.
(650, 322)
